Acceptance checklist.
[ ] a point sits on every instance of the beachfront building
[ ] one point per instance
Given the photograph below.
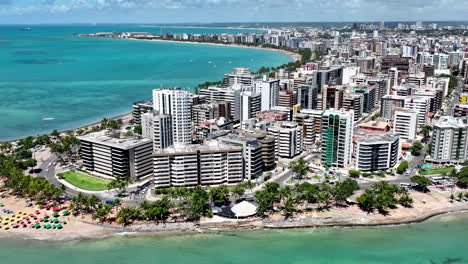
(252, 153)
(336, 139)
(449, 140)
(105, 153)
(377, 152)
(288, 139)
(177, 104)
(192, 165)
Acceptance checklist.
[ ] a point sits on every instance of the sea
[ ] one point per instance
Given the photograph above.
(50, 79)
(441, 240)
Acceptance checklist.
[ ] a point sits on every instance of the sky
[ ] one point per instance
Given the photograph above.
(207, 11)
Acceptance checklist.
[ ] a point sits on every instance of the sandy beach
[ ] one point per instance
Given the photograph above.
(294, 56)
(425, 206)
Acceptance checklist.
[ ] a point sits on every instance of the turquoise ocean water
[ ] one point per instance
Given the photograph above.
(48, 73)
(440, 240)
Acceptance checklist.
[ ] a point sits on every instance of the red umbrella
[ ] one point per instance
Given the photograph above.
(56, 209)
(38, 212)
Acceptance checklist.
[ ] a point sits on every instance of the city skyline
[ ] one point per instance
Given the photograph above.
(209, 11)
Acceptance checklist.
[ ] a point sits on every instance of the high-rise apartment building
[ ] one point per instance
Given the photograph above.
(250, 105)
(336, 139)
(288, 139)
(106, 153)
(405, 123)
(177, 104)
(377, 152)
(449, 140)
(193, 165)
(307, 96)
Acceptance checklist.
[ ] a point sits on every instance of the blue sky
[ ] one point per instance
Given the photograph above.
(203, 11)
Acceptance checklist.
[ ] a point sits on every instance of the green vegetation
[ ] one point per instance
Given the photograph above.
(34, 188)
(83, 181)
(426, 130)
(462, 177)
(453, 83)
(437, 171)
(374, 117)
(299, 167)
(137, 130)
(422, 182)
(402, 167)
(354, 173)
(416, 148)
(384, 196)
(273, 198)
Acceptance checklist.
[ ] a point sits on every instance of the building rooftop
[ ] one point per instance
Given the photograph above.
(451, 122)
(208, 146)
(370, 139)
(110, 139)
(374, 124)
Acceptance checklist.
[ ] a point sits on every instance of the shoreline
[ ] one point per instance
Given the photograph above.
(294, 56)
(332, 218)
(164, 229)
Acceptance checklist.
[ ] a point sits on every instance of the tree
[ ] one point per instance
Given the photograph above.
(55, 133)
(402, 167)
(29, 163)
(125, 215)
(238, 190)
(343, 190)
(219, 195)
(421, 181)
(289, 207)
(102, 212)
(197, 204)
(426, 130)
(367, 200)
(462, 177)
(416, 148)
(299, 167)
(375, 116)
(354, 173)
(405, 200)
(137, 129)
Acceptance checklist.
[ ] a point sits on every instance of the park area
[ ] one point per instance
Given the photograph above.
(443, 170)
(83, 181)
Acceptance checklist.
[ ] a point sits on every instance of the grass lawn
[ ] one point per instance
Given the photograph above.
(83, 181)
(436, 171)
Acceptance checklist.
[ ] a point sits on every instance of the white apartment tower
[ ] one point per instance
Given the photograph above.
(421, 105)
(449, 140)
(269, 90)
(177, 104)
(405, 123)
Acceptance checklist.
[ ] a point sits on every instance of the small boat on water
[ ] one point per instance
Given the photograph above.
(26, 29)
(229, 62)
(209, 62)
(48, 118)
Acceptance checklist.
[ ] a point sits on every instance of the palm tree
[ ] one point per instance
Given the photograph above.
(299, 167)
(124, 215)
(426, 130)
